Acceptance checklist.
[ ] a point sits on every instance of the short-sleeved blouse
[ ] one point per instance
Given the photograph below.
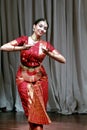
(33, 56)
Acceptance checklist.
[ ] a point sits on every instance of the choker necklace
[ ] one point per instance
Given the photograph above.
(34, 38)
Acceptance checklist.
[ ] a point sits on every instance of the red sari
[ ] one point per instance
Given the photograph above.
(32, 81)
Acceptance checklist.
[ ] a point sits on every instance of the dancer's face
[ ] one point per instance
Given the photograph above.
(41, 28)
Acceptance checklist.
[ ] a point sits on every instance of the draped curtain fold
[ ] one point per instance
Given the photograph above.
(67, 33)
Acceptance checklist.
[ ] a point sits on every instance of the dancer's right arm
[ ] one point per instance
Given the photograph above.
(12, 46)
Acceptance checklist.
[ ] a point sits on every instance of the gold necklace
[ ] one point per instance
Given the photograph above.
(34, 38)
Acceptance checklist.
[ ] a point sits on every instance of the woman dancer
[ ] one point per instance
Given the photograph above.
(31, 77)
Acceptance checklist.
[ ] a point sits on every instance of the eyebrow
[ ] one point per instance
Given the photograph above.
(42, 25)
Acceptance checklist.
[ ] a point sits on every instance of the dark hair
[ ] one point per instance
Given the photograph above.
(41, 19)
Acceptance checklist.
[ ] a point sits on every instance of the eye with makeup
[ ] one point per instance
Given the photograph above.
(41, 26)
(45, 28)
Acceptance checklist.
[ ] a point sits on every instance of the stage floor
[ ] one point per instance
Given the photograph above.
(17, 121)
